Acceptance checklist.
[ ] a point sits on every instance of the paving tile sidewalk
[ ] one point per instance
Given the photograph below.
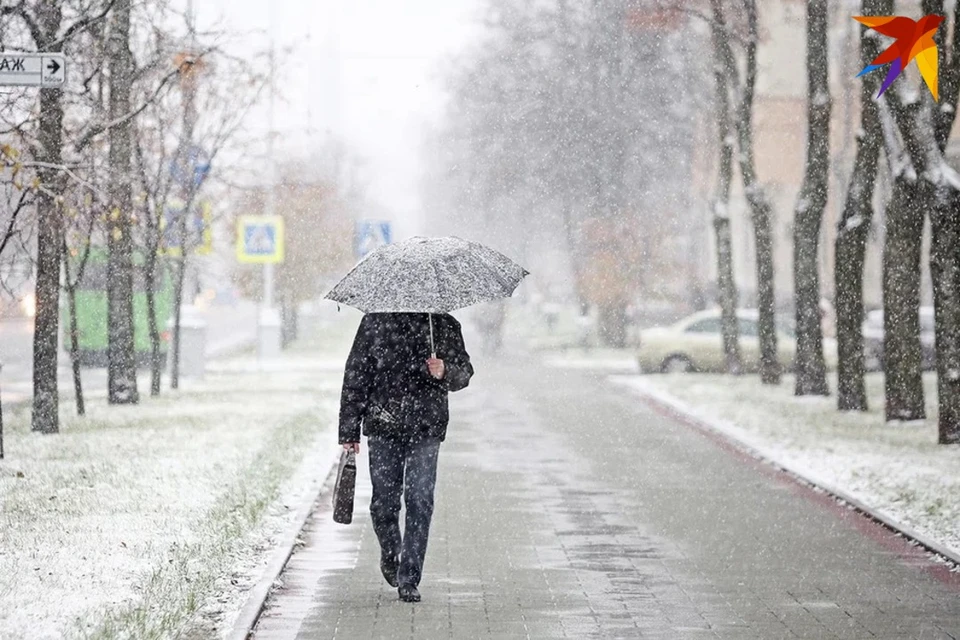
(567, 509)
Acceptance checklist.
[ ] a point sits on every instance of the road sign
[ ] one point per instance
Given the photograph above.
(199, 228)
(191, 170)
(260, 239)
(33, 69)
(369, 235)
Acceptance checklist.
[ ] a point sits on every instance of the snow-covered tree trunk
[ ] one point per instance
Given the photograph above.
(853, 228)
(761, 210)
(945, 270)
(121, 354)
(46, 399)
(903, 383)
(811, 372)
(942, 200)
(726, 285)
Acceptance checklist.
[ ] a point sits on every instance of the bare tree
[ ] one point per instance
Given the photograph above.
(854, 226)
(811, 370)
(726, 285)
(121, 355)
(761, 210)
(943, 203)
(42, 22)
(545, 142)
(75, 260)
(927, 184)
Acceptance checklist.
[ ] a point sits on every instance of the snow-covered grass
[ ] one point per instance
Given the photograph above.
(896, 469)
(151, 521)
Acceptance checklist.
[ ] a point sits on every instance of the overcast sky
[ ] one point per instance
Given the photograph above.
(368, 71)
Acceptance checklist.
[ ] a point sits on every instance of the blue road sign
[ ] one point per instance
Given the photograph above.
(369, 235)
(196, 165)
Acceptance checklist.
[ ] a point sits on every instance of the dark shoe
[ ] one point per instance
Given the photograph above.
(388, 567)
(409, 593)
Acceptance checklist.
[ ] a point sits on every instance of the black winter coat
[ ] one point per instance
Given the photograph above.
(387, 387)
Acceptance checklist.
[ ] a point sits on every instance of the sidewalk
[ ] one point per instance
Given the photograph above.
(898, 471)
(565, 509)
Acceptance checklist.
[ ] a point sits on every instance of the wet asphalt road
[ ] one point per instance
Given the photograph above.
(569, 508)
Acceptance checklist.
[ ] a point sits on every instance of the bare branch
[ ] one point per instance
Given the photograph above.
(80, 25)
(96, 130)
(20, 10)
(9, 234)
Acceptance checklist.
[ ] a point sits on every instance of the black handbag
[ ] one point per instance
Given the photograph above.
(343, 489)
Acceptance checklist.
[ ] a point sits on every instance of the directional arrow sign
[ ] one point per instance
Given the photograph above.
(33, 69)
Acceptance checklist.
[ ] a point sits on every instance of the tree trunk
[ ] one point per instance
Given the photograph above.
(766, 301)
(46, 401)
(150, 281)
(852, 231)
(811, 371)
(944, 207)
(71, 288)
(152, 248)
(121, 352)
(945, 270)
(612, 325)
(759, 204)
(903, 382)
(75, 351)
(177, 305)
(573, 250)
(726, 285)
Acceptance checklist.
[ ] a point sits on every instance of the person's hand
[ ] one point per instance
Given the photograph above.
(436, 367)
(352, 446)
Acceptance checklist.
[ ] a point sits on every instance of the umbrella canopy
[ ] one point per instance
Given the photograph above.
(428, 275)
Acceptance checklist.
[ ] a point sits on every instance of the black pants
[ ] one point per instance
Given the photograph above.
(407, 468)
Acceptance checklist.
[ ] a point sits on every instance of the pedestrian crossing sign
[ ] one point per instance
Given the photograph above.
(260, 239)
(199, 228)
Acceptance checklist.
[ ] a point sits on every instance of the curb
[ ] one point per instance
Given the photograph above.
(684, 413)
(249, 615)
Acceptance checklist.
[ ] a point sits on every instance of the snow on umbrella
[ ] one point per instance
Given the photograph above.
(428, 275)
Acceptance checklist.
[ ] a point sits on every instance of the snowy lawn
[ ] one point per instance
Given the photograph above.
(897, 469)
(152, 521)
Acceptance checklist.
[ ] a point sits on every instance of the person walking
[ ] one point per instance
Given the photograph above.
(395, 393)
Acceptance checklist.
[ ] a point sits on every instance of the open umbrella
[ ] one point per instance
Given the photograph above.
(428, 275)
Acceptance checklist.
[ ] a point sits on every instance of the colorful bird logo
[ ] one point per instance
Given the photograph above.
(914, 39)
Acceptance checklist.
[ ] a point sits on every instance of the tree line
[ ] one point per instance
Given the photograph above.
(100, 162)
(574, 122)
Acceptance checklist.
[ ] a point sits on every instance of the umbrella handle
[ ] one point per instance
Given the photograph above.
(433, 348)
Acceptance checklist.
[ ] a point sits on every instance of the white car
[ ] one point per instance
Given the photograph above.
(695, 344)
